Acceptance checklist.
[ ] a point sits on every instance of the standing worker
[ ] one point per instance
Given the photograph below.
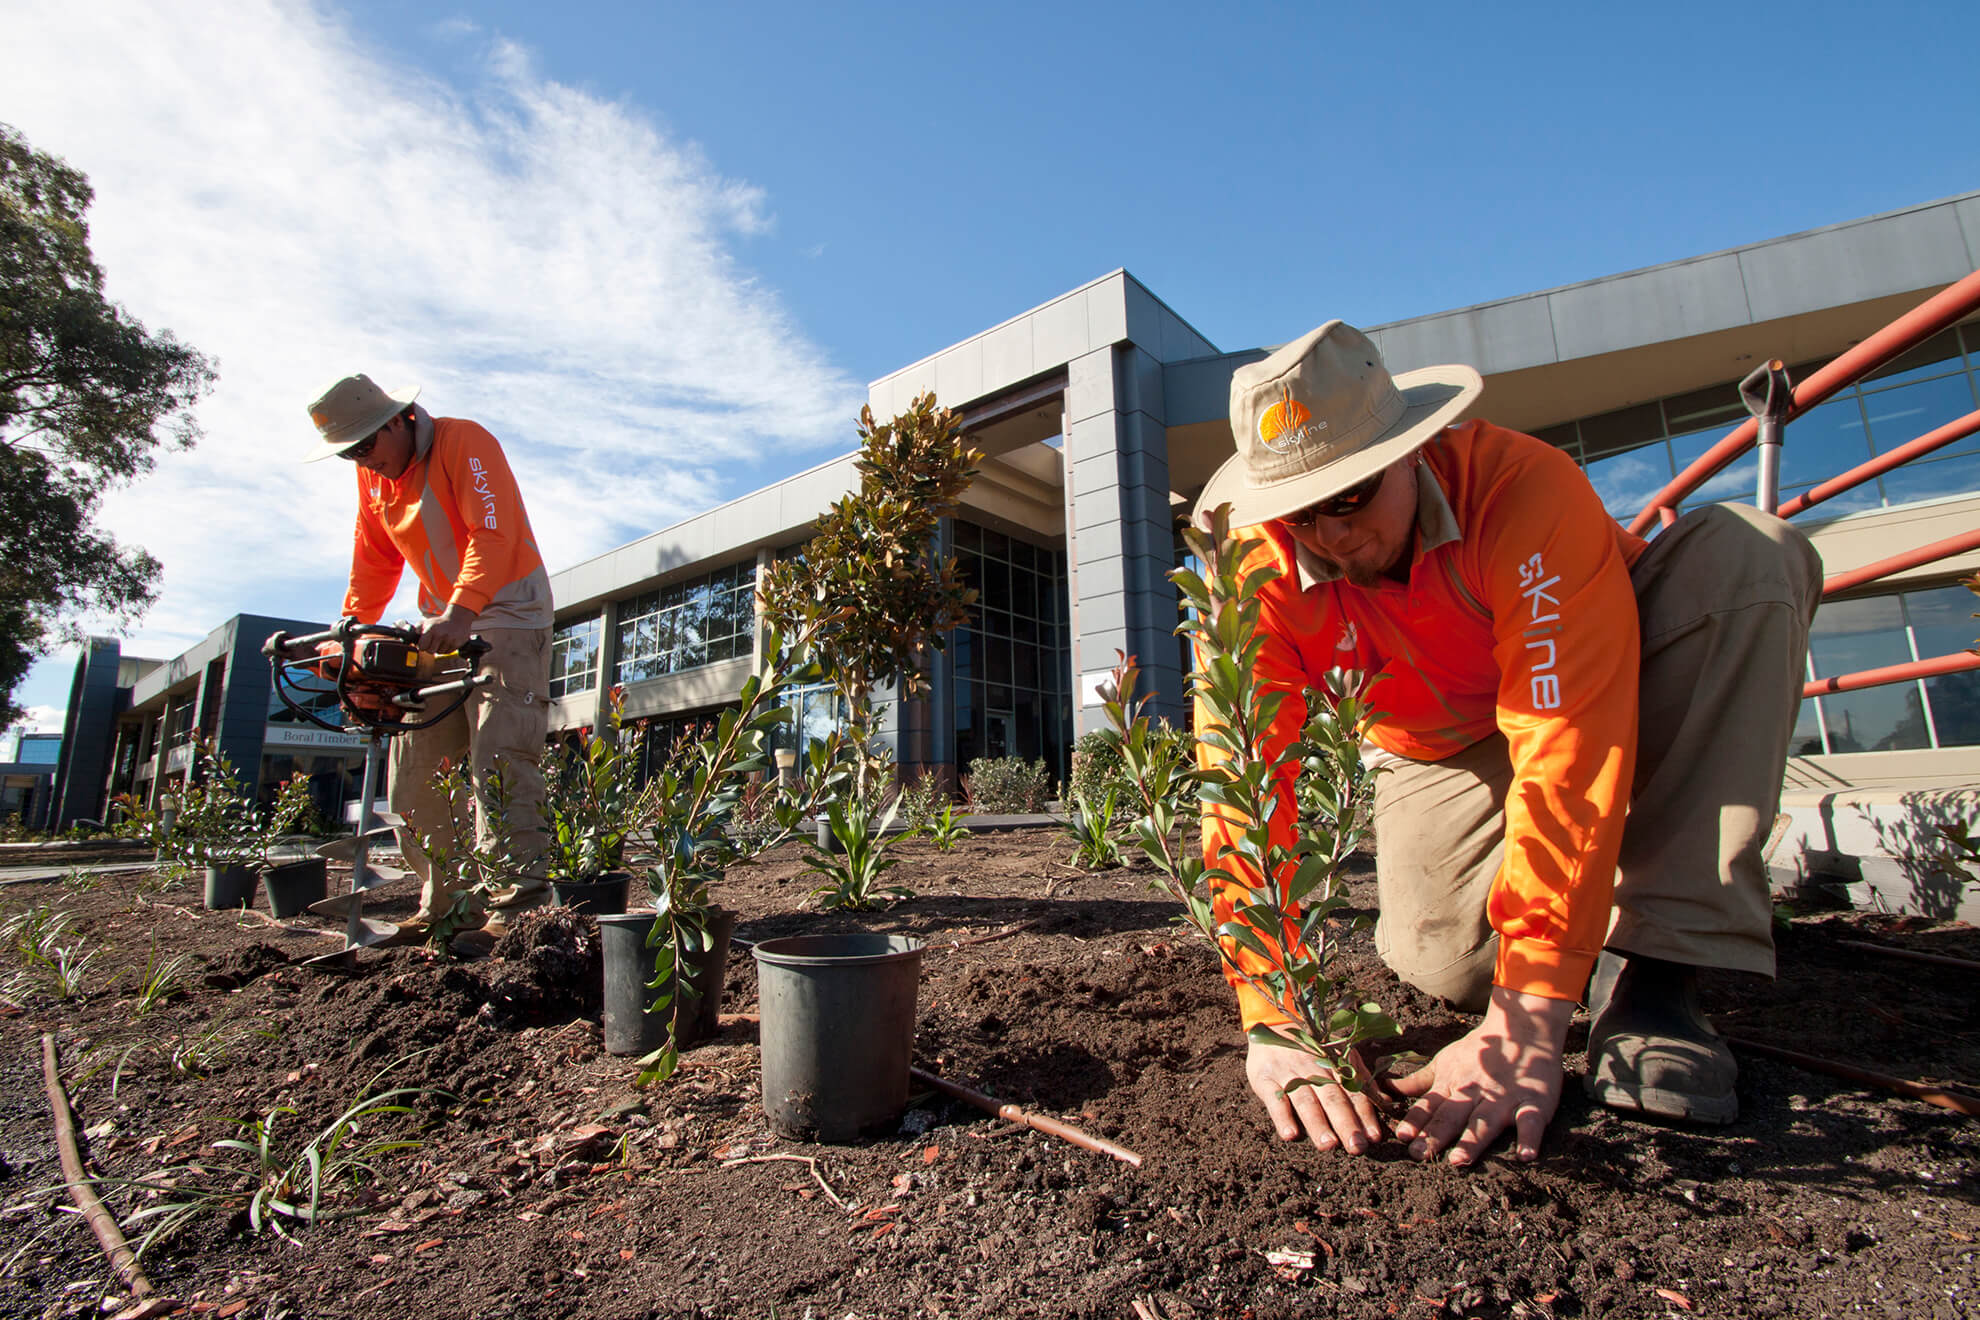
(1585, 736)
(437, 493)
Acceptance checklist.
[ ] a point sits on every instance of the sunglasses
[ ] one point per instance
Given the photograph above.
(1344, 505)
(363, 448)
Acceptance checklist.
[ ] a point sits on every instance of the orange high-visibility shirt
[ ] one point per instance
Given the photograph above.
(1518, 616)
(457, 517)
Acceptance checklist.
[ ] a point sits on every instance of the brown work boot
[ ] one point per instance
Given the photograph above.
(1651, 1048)
(506, 903)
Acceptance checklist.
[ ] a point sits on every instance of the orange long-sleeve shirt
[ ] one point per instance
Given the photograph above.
(1517, 616)
(457, 516)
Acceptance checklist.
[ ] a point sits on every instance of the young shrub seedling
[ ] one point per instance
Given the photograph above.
(1266, 895)
(1092, 828)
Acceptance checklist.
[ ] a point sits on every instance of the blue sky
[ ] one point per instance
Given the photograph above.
(660, 248)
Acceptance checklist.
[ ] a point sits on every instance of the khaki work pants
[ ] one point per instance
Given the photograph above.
(1724, 596)
(502, 726)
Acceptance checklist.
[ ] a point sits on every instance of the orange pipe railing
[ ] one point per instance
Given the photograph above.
(1911, 669)
(1882, 463)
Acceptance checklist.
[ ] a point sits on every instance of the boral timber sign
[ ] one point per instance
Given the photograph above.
(292, 735)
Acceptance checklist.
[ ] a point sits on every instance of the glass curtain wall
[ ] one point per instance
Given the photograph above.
(687, 624)
(1869, 633)
(1013, 660)
(574, 656)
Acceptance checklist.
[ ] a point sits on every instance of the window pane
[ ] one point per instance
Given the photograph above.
(1807, 739)
(1942, 623)
(1626, 428)
(1854, 635)
(1627, 481)
(1928, 479)
(1737, 481)
(1901, 415)
(1827, 442)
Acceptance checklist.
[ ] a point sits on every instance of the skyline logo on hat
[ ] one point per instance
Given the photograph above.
(1287, 424)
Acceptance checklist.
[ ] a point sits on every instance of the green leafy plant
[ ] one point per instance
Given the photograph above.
(594, 801)
(695, 795)
(281, 1185)
(917, 802)
(868, 587)
(1092, 830)
(947, 831)
(852, 876)
(46, 944)
(1007, 785)
(472, 871)
(1096, 767)
(1278, 893)
(162, 979)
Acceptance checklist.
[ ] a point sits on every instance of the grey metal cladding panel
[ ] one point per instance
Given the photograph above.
(1107, 310)
(1200, 391)
(1093, 436)
(1091, 390)
(1104, 575)
(1968, 212)
(1141, 377)
(1505, 336)
(1670, 302)
(1896, 254)
(959, 374)
(1132, 468)
(1096, 508)
(1059, 333)
(1144, 317)
(1007, 354)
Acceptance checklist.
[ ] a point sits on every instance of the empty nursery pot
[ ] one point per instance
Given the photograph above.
(602, 897)
(630, 1026)
(293, 886)
(837, 1032)
(229, 887)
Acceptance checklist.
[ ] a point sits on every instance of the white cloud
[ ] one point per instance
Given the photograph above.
(290, 198)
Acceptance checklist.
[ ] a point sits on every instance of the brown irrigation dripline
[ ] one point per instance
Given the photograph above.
(1037, 1122)
(80, 1190)
(1956, 1101)
(1912, 955)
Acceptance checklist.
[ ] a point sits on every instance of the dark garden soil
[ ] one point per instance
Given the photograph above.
(545, 1184)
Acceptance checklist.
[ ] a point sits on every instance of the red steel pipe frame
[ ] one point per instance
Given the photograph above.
(1924, 554)
(1864, 678)
(1945, 308)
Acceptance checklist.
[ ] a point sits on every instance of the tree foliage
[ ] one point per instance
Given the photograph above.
(87, 397)
(869, 584)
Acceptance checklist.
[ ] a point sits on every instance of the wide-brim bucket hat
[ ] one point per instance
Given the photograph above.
(351, 410)
(1322, 414)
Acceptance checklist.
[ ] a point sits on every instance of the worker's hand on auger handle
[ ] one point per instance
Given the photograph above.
(1332, 1116)
(446, 632)
(1505, 1072)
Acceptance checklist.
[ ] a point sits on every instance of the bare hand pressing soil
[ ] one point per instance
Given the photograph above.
(544, 1184)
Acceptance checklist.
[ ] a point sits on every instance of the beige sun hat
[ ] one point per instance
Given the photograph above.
(1320, 415)
(351, 410)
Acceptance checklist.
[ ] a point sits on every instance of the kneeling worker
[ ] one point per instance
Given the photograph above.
(1585, 736)
(437, 493)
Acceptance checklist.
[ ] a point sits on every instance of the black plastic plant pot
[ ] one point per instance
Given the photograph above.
(229, 887)
(293, 886)
(601, 897)
(837, 1032)
(631, 1025)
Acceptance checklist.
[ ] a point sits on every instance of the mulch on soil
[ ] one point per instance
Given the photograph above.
(545, 1184)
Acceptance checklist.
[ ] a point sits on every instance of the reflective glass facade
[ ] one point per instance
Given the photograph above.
(687, 624)
(1854, 635)
(1633, 452)
(1012, 663)
(574, 656)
